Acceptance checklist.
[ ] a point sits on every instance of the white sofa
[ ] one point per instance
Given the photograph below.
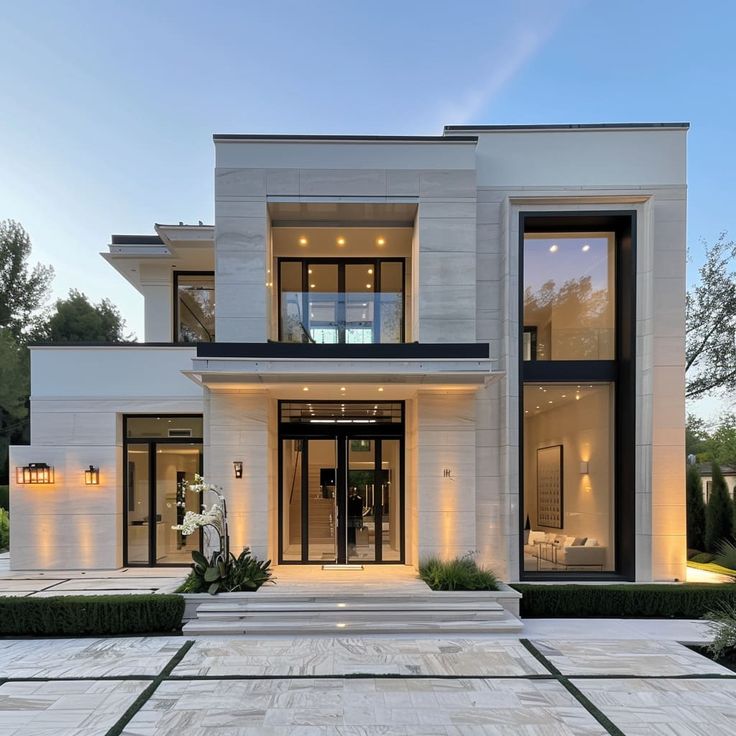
(565, 551)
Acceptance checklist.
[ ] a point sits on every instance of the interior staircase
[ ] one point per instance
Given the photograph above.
(351, 611)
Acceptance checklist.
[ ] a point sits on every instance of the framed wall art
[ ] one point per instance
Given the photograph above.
(549, 486)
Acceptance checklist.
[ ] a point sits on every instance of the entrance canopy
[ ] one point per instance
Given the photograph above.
(404, 364)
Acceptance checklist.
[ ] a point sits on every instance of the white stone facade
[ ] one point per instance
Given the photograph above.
(467, 190)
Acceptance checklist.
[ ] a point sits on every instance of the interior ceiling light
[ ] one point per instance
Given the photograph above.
(380, 388)
(370, 270)
(586, 248)
(553, 248)
(381, 241)
(341, 241)
(303, 241)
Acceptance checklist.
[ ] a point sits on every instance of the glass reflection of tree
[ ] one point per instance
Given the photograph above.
(196, 314)
(582, 312)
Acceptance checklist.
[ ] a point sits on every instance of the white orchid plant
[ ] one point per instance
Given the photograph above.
(214, 517)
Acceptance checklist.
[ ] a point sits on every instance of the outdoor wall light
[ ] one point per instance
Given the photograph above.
(35, 473)
(238, 468)
(584, 467)
(92, 476)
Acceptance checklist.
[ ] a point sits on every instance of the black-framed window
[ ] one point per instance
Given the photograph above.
(194, 306)
(577, 343)
(161, 453)
(349, 300)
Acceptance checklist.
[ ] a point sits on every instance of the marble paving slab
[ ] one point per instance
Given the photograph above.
(284, 657)
(666, 707)
(635, 657)
(368, 707)
(69, 708)
(123, 657)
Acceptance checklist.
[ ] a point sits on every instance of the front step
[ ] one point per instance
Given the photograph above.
(264, 613)
(198, 627)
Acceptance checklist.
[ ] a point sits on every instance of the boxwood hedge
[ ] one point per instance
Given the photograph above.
(93, 615)
(678, 600)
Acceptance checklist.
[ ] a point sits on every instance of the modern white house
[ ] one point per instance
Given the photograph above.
(387, 348)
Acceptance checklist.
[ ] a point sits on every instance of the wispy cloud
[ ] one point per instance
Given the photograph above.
(508, 60)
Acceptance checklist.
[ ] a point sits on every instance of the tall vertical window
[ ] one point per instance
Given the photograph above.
(194, 313)
(341, 301)
(576, 342)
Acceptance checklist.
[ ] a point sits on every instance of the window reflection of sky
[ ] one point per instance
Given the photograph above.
(568, 261)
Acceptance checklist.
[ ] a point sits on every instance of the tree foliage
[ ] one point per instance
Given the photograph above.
(710, 359)
(76, 319)
(716, 443)
(718, 513)
(695, 509)
(14, 386)
(23, 290)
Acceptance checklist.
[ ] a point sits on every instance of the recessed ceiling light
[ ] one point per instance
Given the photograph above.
(564, 396)
(306, 388)
(549, 402)
(370, 270)
(586, 248)
(537, 407)
(341, 241)
(303, 241)
(381, 241)
(311, 286)
(553, 248)
(342, 388)
(380, 388)
(368, 286)
(310, 270)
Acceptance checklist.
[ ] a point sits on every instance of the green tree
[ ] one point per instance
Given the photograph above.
(722, 441)
(710, 352)
(696, 437)
(23, 290)
(695, 510)
(76, 319)
(718, 513)
(13, 395)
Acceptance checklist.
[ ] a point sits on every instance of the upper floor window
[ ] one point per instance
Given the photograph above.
(194, 313)
(341, 301)
(569, 296)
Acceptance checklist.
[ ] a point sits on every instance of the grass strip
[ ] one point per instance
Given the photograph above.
(143, 698)
(594, 711)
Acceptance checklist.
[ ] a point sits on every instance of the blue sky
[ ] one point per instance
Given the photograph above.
(108, 108)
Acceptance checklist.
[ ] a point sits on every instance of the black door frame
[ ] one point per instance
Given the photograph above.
(151, 443)
(342, 434)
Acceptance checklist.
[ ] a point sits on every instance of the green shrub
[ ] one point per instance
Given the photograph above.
(684, 600)
(4, 529)
(718, 513)
(695, 508)
(243, 573)
(462, 573)
(703, 558)
(692, 552)
(722, 625)
(726, 556)
(5, 497)
(93, 615)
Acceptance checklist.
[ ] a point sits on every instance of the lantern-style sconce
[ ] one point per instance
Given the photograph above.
(238, 468)
(92, 476)
(35, 473)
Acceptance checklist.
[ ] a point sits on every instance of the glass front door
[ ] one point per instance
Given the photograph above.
(341, 499)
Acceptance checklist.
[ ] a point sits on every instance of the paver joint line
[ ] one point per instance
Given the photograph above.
(599, 716)
(143, 698)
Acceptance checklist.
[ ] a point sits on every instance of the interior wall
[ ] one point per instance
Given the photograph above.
(581, 428)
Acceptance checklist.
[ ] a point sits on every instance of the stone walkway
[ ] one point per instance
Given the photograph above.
(277, 686)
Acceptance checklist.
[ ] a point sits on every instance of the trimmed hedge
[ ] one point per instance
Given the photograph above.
(685, 600)
(91, 615)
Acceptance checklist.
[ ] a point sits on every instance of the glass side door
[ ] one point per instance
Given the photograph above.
(322, 499)
(325, 305)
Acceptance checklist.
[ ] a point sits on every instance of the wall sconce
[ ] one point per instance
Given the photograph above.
(238, 468)
(584, 467)
(35, 473)
(92, 476)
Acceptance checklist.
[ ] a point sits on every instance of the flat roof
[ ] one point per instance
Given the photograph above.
(567, 126)
(346, 138)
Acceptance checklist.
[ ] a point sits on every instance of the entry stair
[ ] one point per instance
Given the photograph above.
(337, 613)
